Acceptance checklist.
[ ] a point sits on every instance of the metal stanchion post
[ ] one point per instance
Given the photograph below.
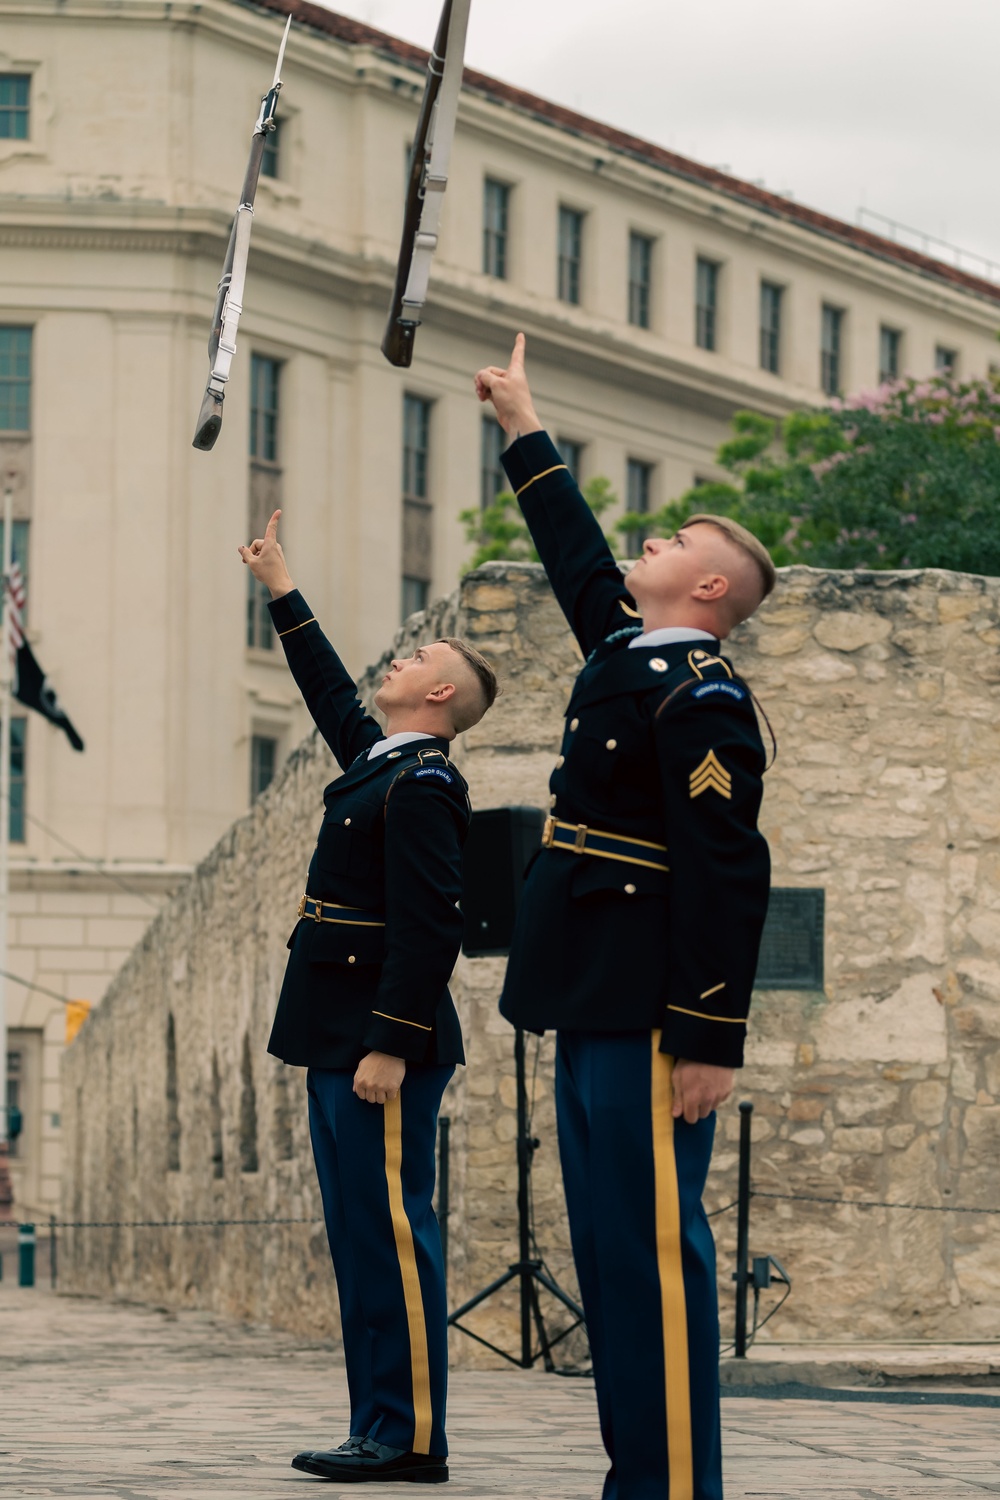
(26, 1254)
(742, 1276)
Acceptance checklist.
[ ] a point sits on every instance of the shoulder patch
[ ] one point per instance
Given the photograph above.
(433, 771)
(727, 688)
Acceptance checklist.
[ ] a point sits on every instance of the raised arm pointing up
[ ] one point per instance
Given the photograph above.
(266, 560)
(509, 392)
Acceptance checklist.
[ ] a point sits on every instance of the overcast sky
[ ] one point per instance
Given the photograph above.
(886, 104)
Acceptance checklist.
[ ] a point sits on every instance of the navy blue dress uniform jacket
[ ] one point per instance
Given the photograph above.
(661, 744)
(373, 975)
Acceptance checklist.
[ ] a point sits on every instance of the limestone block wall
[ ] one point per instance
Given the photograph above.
(883, 693)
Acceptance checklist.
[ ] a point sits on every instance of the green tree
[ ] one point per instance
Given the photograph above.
(498, 531)
(907, 476)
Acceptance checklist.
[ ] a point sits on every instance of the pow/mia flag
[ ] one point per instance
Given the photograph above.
(31, 687)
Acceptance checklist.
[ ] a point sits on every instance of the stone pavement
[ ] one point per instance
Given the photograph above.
(102, 1401)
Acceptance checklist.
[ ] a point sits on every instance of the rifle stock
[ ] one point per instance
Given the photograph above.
(209, 422)
(400, 332)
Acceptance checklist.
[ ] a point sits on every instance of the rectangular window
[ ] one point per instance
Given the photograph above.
(571, 453)
(260, 632)
(15, 1077)
(15, 92)
(889, 344)
(638, 486)
(15, 379)
(640, 279)
(416, 595)
(770, 327)
(265, 485)
(417, 510)
(263, 763)
(496, 212)
(492, 480)
(270, 162)
(945, 360)
(264, 381)
(570, 254)
(18, 737)
(706, 303)
(831, 345)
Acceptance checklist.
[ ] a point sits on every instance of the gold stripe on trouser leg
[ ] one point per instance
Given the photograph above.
(673, 1305)
(420, 1371)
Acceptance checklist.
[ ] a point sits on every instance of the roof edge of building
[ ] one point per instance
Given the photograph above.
(359, 34)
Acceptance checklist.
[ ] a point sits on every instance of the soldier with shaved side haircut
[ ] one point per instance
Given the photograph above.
(365, 1007)
(637, 941)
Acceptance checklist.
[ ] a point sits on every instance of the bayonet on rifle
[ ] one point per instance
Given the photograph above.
(229, 299)
(428, 178)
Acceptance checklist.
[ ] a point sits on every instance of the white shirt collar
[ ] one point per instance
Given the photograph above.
(669, 635)
(395, 740)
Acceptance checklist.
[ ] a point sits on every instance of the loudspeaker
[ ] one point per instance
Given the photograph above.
(500, 843)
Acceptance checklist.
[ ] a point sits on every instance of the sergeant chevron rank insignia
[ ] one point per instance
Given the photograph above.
(711, 776)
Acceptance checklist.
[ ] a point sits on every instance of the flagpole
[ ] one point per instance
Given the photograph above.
(5, 689)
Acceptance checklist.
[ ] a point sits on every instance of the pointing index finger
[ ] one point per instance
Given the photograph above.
(271, 531)
(517, 356)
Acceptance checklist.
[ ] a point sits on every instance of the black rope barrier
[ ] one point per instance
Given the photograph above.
(167, 1223)
(723, 1210)
(923, 1208)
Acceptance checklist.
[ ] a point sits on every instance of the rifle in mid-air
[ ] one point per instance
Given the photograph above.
(229, 301)
(428, 178)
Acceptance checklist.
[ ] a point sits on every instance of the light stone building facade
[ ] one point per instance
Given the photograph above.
(884, 693)
(656, 295)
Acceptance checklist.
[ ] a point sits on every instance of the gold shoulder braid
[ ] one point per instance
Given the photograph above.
(700, 661)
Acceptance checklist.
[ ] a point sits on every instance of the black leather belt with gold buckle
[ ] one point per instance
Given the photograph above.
(577, 838)
(332, 911)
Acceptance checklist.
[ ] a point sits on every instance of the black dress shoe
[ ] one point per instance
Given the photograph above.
(368, 1462)
(299, 1461)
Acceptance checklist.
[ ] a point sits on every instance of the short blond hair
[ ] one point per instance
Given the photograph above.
(746, 541)
(486, 682)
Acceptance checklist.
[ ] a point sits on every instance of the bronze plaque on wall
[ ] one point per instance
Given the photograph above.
(791, 950)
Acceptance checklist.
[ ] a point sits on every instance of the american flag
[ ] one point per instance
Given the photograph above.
(14, 588)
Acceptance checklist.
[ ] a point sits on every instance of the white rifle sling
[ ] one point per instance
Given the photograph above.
(436, 178)
(234, 299)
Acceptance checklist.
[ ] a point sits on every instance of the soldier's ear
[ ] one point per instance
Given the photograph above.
(713, 588)
(441, 693)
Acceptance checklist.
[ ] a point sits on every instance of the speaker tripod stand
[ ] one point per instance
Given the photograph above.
(529, 1271)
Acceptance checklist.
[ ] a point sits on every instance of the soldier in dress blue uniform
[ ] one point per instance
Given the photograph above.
(365, 1007)
(637, 941)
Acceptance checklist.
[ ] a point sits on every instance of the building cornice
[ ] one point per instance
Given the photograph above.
(463, 302)
(861, 242)
(360, 57)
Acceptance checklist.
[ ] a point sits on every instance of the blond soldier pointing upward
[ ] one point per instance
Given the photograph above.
(637, 942)
(365, 1007)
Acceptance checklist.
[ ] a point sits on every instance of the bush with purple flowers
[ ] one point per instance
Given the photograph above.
(907, 476)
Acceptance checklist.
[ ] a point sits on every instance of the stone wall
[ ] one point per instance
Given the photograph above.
(883, 693)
